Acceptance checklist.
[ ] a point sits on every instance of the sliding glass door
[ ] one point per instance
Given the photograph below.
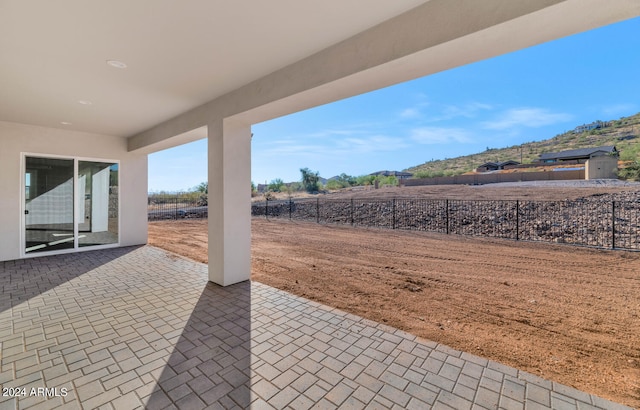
(48, 204)
(69, 203)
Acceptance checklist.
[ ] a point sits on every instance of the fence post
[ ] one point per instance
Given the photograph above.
(318, 210)
(447, 220)
(613, 224)
(175, 203)
(393, 224)
(517, 220)
(351, 211)
(266, 209)
(290, 206)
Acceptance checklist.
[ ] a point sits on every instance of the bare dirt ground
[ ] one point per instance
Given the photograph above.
(535, 191)
(564, 313)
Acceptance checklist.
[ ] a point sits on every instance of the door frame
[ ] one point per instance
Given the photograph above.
(76, 217)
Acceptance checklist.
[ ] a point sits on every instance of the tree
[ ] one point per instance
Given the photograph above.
(202, 187)
(276, 185)
(346, 180)
(202, 190)
(310, 180)
(364, 180)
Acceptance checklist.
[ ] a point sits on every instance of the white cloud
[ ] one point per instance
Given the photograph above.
(293, 148)
(619, 110)
(466, 110)
(469, 110)
(439, 135)
(410, 113)
(415, 111)
(526, 117)
(439, 112)
(373, 143)
(333, 147)
(331, 132)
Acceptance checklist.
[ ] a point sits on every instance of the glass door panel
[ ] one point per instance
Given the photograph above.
(97, 203)
(49, 223)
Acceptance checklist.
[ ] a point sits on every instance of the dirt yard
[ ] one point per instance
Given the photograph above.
(545, 191)
(564, 313)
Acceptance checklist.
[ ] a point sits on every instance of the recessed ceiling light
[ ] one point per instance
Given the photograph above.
(65, 123)
(84, 102)
(116, 64)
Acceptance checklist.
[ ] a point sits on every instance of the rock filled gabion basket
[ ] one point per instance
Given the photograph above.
(606, 221)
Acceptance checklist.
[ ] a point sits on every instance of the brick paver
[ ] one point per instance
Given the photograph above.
(134, 328)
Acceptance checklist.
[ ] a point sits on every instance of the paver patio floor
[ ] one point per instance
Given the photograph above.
(140, 328)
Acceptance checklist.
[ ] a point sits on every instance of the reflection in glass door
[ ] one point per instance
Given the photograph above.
(97, 203)
(49, 223)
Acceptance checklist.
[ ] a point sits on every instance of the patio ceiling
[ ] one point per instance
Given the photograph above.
(192, 62)
(179, 55)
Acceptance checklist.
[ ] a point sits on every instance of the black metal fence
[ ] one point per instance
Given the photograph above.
(161, 207)
(604, 224)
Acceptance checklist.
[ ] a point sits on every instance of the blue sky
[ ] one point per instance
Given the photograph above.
(528, 95)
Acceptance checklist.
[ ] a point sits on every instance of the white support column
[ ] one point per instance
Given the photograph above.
(229, 202)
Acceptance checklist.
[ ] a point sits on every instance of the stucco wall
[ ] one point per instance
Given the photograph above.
(603, 167)
(16, 139)
(476, 179)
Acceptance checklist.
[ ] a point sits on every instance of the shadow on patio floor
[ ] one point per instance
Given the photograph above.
(24, 279)
(211, 360)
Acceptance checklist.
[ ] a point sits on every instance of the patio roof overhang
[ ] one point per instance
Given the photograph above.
(211, 69)
(200, 60)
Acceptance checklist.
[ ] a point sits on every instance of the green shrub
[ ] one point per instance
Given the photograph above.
(276, 185)
(364, 180)
(428, 174)
(631, 171)
(630, 153)
(333, 185)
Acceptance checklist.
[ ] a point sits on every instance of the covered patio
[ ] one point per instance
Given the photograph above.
(138, 327)
(90, 88)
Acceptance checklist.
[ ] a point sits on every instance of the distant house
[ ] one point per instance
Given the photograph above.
(495, 166)
(588, 127)
(397, 174)
(579, 156)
